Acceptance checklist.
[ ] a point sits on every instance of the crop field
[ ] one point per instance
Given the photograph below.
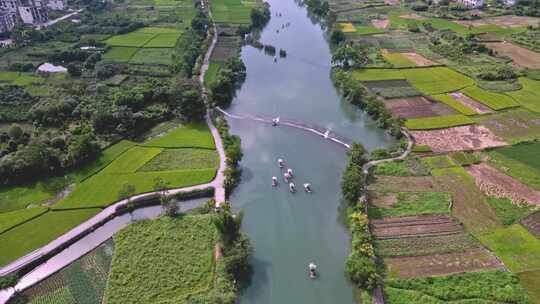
(532, 224)
(520, 161)
(521, 56)
(471, 137)
(39, 231)
(211, 73)
(178, 159)
(530, 281)
(411, 166)
(469, 205)
(83, 281)
(515, 246)
(130, 161)
(133, 39)
(19, 197)
(120, 54)
(232, 11)
(347, 27)
(409, 203)
(529, 95)
(152, 56)
(436, 80)
(477, 259)
(514, 125)
(189, 136)
(454, 104)
(398, 183)
(391, 88)
(465, 158)
(378, 74)
(508, 212)
(495, 101)
(417, 107)
(414, 226)
(172, 258)
(477, 287)
(438, 122)
(227, 47)
(398, 60)
(368, 30)
(167, 40)
(425, 245)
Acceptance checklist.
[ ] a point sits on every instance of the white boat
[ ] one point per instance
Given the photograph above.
(286, 177)
(289, 171)
(292, 187)
(307, 187)
(274, 181)
(281, 163)
(312, 268)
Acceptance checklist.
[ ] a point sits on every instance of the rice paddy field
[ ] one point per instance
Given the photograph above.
(529, 95)
(438, 122)
(182, 156)
(232, 11)
(519, 161)
(495, 101)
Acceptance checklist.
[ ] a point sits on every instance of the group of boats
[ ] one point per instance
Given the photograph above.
(288, 177)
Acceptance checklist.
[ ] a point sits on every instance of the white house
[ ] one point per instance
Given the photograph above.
(57, 5)
(472, 3)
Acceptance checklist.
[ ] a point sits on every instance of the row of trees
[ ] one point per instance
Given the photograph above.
(229, 78)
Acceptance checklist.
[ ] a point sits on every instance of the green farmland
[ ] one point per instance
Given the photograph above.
(454, 104)
(438, 122)
(520, 161)
(495, 101)
(529, 95)
(232, 11)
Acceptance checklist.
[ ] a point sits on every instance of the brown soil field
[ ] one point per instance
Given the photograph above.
(521, 56)
(477, 259)
(415, 107)
(469, 204)
(424, 245)
(458, 138)
(413, 16)
(380, 23)
(517, 124)
(418, 59)
(408, 226)
(496, 184)
(471, 103)
(503, 21)
(532, 223)
(403, 184)
(379, 199)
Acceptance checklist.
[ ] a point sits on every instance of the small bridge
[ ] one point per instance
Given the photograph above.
(317, 130)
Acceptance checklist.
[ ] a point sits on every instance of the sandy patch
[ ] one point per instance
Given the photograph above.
(418, 59)
(458, 138)
(496, 184)
(416, 107)
(521, 56)
(471, 103)
(439, 264)
(413, 16)
(380, 23)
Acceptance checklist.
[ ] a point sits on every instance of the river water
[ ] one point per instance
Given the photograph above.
(290, 230)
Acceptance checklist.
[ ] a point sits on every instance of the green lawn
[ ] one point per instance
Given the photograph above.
(414, 203)
(121, 54)
(11, 219)
(529, 95)
(520, 161)
(438, 122)
(40, 231)
(495, 101)
(515, 246)
(133, 39)
(182, 159)
(475, 287)
(171, 258)
(454, 104)
(398, 60)
(189, 136)
(130, 161)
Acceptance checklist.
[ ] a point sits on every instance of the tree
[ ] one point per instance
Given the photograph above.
(351, 184)
(260, 15)
(228, 226)
(74, 70)
(362, 271)
(346, 56)
(15, 132)
(192, 107)
(357, 155)
(166, 201)
(337, 36)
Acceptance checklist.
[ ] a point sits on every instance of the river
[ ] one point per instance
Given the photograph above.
(290, 230)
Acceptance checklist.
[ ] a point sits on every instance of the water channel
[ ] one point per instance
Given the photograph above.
(290, 230)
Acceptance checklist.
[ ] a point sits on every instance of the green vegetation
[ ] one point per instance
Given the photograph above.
(454, 104)
(130, 161)
(438, 122)
(529, 280)
(529, 95)
(465, 159)
(377, 74)
(19, 197)
(477, 287)
(211, 73)
(520, 161)
(368, 30)
(439, 162)
(426, 245)
(40, 231)
(515, 246)
(171, 257)
(495, 101)
(414, 203)
(163, 41)
(514, 126)
(437, 80)
(411, 166)
(509, 212)
(133, 39)
(11, 219)
(161, 56)
(120, 54)
(189, 136)
(182, 159)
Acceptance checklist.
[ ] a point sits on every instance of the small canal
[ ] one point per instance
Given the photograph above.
(290, 230)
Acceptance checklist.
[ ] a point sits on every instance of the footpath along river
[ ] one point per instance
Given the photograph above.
(290, 230)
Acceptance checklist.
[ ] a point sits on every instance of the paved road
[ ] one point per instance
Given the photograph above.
(371, 164)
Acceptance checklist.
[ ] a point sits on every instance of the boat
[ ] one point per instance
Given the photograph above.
(289, 171)
(286, 177)
(274, 181)
(292, 187)
(307, 187)
(281, 163)
(312, 268)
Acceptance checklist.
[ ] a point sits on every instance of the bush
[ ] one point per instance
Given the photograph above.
(362, 271)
